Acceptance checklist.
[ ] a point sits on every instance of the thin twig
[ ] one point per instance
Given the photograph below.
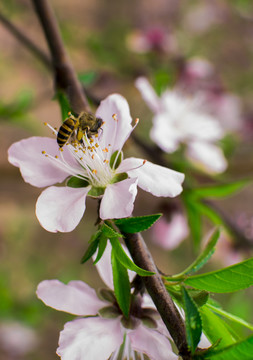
(65, 76)
(29, 44)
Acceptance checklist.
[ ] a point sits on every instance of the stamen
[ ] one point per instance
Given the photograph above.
(51, 128)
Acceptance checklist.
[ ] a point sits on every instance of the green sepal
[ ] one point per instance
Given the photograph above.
(115, 163)
(136, 224)
(125, 260)
(229, 279)
(193, 323)
(119, 177)
(76, 182)
(94, 242)
(121, 284)
(96, 191)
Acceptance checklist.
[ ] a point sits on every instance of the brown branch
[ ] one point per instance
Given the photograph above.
(66, 78)
(65, 75)
(158, 293)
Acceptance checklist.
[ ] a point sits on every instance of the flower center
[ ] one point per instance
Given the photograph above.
(87, 161)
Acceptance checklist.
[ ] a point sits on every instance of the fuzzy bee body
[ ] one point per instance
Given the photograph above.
(85, 123)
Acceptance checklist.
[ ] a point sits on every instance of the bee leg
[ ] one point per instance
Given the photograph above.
(79, 135)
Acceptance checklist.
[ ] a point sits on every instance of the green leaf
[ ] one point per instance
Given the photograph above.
(203, 257)
(76, 182)
(92, 247)
(109, 232)
(64, 104)
(215, 328)
(125, 260)
(231, 317)
(200, 297)
(242, 350)
(121, 284)
(101, 247)
(136, 224)
(229, 279)
(192, 321)
(210, 213)
(194, 219)
(219, 190)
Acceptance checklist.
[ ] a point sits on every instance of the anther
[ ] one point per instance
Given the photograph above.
(43, 152)
(94, 171)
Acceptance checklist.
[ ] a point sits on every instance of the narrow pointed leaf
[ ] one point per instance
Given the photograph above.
(231, 317)
(204, 256)
(94, 242)
(215, 328)
(125, 260)
(193, 321)
(121, 284)
(136, 224)
(220, 190)
(101, 248)
(230, 279)
(242, 350)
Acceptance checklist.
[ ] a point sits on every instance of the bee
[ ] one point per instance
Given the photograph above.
(85, 124)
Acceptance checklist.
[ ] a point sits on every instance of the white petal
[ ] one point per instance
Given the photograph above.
(150, 342)
(115, 132)
(118, 199)
(165, 134)
(148, 94)
(158, 180)
(91, 338)
(169, 234)
(209, 156)
(75, 298)
(61, 208)
(35, 167)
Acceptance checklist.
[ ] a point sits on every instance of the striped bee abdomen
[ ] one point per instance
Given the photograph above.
(65, 131)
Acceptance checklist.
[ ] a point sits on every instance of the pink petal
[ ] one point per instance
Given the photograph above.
(148, 94)
(152, 343)
(61, 208)
(35, 167)
(91, 338)
(104, 267)
(115, 132)
(157, 180)
(75, 298)
(118, 199)
(209, 156)
(169, 234)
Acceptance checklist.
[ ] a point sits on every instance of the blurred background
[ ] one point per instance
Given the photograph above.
(195, 45)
